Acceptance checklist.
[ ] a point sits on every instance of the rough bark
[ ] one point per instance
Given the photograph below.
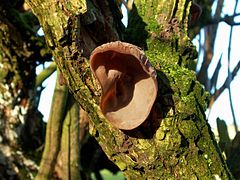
(175, 142)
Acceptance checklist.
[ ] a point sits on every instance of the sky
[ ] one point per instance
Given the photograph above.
(221, 107)
(46, 96)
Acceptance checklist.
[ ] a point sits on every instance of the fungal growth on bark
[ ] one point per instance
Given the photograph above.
(128, 83)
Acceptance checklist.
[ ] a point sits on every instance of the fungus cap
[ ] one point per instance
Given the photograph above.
(128, 83)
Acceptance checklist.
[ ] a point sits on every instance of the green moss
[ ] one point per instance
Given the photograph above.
(194, 161)
(76, 7)
(189, 130)
(185, 107)
(161, 53)
(121, 164)
(160, 134)
(167, 137)
(143, 144)
(201, 95)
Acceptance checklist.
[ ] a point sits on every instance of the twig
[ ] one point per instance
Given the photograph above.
(227, 19)
(45, 74)
(218, 92)
(215, 75)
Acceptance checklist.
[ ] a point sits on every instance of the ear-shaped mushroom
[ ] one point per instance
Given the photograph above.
(128, 83)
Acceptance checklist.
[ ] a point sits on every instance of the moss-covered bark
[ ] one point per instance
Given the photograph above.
(175, 142)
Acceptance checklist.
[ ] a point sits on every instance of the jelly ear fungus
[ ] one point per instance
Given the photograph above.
(128, 83)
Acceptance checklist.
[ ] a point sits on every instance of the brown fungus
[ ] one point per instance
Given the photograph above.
(128, 83)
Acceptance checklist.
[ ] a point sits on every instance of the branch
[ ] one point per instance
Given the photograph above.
(227, 19)
(218, 92)
(215, 75)
(45, 74)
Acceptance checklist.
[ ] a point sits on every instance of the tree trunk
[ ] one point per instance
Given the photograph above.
(21, 125)
(68, 165)
(61, 155)
(54, 132)
(175, 142)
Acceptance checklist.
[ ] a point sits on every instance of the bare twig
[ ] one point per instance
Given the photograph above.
(215, 75)
(218, 92)
(227, 19)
